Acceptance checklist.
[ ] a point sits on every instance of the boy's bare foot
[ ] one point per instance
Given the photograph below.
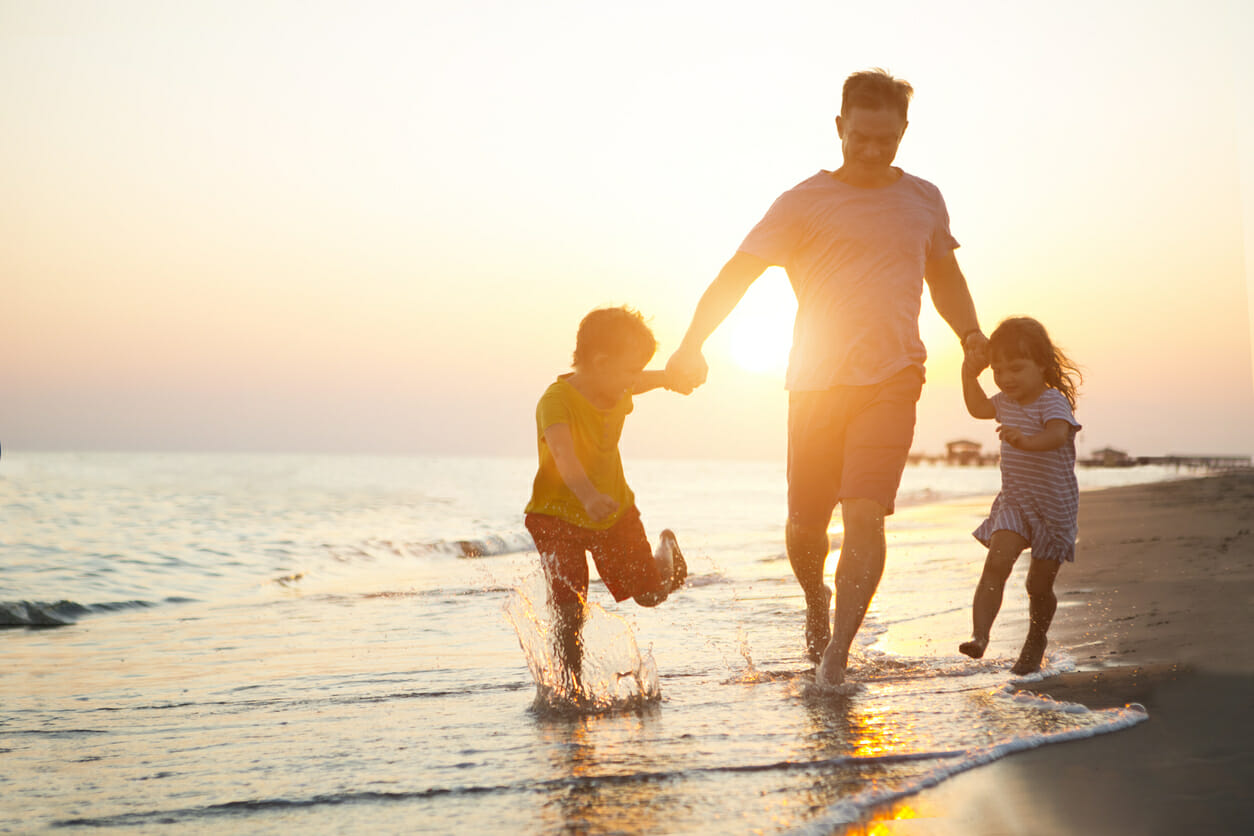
(663, 558)
(818, 624)
(679, 566)
(974, 648)
(1030, 656)
(670, 561)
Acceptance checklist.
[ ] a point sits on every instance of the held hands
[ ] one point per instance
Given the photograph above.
(685, 371)
(974, 354)
(673, 382)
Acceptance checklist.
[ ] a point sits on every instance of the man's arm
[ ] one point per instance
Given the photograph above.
(687, 365)
(953, 302)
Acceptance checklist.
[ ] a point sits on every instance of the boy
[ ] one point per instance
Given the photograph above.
(580, 501)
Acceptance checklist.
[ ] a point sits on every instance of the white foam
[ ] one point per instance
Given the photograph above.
(853, 808)
(1055, 662)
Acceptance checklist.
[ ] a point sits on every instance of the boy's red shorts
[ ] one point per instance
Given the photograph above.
(621, 552)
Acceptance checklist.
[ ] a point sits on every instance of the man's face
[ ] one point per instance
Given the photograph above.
(869, 138)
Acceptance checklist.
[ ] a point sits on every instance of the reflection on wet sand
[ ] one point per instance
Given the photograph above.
(880, 822)
(619, 773)
(594, 787)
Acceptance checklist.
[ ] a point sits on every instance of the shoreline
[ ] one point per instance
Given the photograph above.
(1156, 610)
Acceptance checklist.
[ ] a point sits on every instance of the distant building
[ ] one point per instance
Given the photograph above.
(1110, 457)
(963, 452)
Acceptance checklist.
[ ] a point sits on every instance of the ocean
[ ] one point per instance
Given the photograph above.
(264, 643)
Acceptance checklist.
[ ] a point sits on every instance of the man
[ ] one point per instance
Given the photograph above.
(858, 244)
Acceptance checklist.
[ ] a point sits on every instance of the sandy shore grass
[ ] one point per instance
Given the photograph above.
(1158, 609)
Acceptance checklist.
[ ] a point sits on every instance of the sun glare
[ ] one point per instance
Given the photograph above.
(760, 331)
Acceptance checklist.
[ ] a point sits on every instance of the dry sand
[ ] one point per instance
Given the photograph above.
(1156, 610)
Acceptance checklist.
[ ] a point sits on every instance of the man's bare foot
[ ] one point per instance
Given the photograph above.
(1030, 656)
(831, 669)
(818, 624)
(974, 648)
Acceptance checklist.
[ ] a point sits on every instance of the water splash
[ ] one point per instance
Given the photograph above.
(616, 675)
(749, 674)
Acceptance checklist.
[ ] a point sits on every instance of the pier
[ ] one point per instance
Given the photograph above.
(969, 453)
(1200, 462)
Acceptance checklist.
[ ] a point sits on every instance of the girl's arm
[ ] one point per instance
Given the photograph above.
(562, 445)
(651, 379)
(1055, 434)
(977, 402)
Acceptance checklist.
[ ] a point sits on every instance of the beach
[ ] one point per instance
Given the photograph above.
(259, 643)
(1157, 610)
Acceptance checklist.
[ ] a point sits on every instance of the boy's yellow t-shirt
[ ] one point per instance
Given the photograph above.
(595, 433)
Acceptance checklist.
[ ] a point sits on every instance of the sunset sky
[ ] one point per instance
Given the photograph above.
(373, 227)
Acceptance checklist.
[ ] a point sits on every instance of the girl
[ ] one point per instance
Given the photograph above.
(1039, 498)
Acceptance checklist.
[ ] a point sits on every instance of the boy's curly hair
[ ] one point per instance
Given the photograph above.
(615, 332)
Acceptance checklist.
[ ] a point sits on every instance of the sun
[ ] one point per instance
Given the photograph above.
(759, 332)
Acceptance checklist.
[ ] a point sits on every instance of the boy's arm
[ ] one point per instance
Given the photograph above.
(1055, 434)
(977, 402)
(651, 379)
(562, 445)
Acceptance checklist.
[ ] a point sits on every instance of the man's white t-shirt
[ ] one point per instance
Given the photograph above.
(855, 257)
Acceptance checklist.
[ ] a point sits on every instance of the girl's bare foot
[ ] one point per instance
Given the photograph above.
(974, 648)
(1030, 657)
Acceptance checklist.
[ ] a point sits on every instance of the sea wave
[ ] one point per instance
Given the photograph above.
(492, 545)
(63, 613)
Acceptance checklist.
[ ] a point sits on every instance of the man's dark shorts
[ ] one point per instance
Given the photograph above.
(621, 552)
(849, 442)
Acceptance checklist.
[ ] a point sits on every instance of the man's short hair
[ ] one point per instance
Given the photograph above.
(875, 89)
(617, 332)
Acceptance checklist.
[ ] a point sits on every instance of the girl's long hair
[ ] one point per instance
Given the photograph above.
(1022, 336)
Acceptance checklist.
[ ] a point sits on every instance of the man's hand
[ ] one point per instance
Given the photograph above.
(686, 370)
(974, 353)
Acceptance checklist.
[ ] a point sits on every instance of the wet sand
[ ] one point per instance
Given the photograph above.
(1157, 610)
